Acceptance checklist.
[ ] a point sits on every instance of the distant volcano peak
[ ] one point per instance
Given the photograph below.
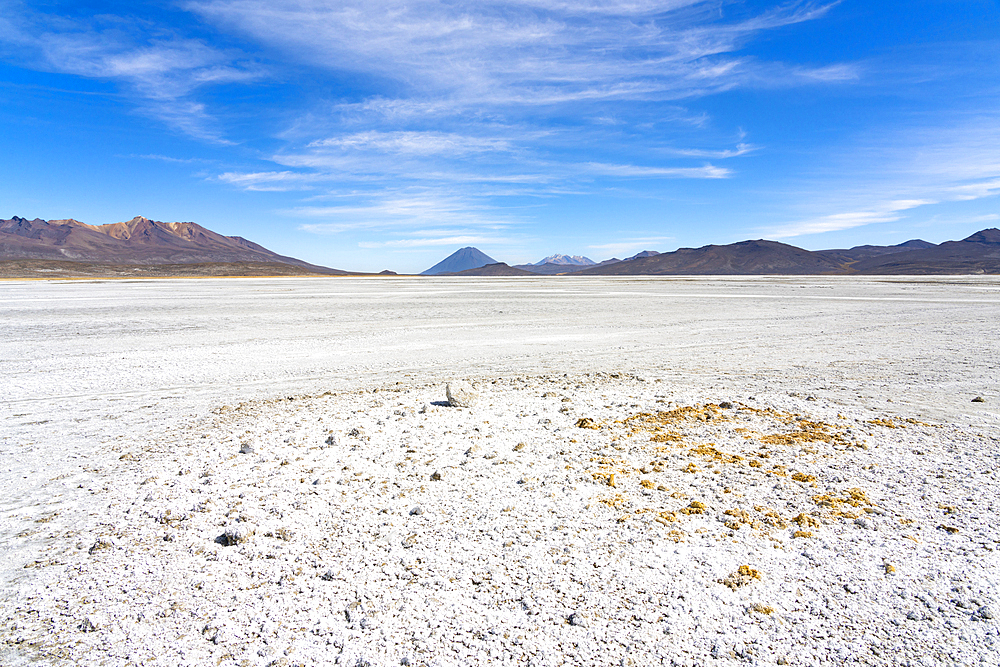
(462, 259)
(567, 260)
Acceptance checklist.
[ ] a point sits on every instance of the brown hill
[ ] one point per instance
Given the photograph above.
(139, 241)
(860, 252)
(745, 258)
(979, 253)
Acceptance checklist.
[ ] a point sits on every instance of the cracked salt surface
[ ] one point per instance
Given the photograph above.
(582, 517)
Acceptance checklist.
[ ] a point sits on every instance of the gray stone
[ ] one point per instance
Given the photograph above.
(236, 535)
(461, 394)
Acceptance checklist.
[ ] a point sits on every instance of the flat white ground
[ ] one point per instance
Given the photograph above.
(142, 420)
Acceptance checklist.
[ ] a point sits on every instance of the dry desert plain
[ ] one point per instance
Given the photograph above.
(679, 471)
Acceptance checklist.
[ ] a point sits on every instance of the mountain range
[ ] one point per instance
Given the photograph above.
(557, 264)
(139, 242)
(979, 253)
(142, 246)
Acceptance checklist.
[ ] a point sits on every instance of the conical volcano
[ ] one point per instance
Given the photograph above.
(460, 260)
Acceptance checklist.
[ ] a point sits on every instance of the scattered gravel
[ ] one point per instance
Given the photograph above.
(647, 525)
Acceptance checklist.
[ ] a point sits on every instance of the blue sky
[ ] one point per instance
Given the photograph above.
(387, 134)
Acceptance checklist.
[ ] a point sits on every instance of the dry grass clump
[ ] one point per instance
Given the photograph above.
(606, 478)
(885, 422)
(665, 517)
(587, 422)
(853, 497)
(802, 533)
(802, 477)
(696, 507)
(771, 517)
(713, 454)
(615, 502)
(743, 576)
(666, 436)
(806, 521)
(658, 423)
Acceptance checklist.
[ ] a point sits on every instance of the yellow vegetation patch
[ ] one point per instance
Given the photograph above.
(761, 608)
(691, 467)
(886, 422)
(666, 436)
(806, 521)
(646, 484)
(854, 497)
(714, 454)
(803, 477)
(754, 463)
(802, 533)
(741, 577)
(665, 517)
(587, 422)
(696, 507)
(615, 502)
(771, 517)
(607, 478)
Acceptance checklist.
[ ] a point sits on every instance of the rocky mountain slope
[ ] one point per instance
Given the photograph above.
(979, 253)
(139, 241)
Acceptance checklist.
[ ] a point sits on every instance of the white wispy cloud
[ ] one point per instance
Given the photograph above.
(162, 71)
(419, 208)
(270, 181)
(887, 177)
(414, 143)
(534, 53)
(426, 242)
(629, 170)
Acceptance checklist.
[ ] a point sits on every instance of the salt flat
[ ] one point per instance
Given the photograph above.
(142, 420)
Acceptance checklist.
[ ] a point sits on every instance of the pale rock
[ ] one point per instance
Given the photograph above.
(461, 394)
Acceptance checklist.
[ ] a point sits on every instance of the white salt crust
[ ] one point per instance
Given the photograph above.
(387, 528)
